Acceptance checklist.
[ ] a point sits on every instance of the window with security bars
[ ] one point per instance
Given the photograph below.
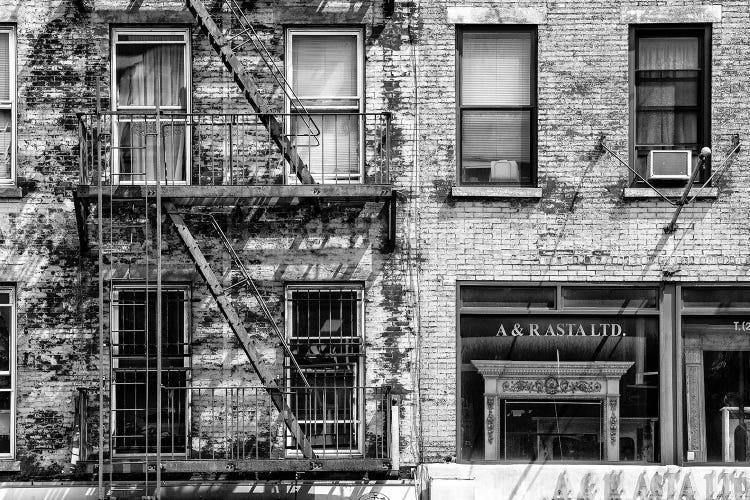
(497, 106)
(671, 78)
(7, 372)
(134, 360)
(7, 104)
(324, 329)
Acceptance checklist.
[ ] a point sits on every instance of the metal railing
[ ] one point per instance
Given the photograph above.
(242, 423)
(230, 149)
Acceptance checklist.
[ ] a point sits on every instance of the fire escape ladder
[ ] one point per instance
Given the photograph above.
(248, 345)
(226, 48)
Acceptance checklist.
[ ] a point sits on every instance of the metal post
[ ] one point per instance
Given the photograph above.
(672, 226)
(100, 228)
(159, 162)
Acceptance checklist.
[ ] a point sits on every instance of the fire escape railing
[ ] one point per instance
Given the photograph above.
(206, 149)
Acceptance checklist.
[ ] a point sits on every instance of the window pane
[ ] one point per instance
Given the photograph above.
(574, 352)
(615, 297)
(5, 431)
(137, 161)
(667, 127)
(716, 297)
(668, 53)
(500, 296)
(324, 65)
(149, 74)
(668, 93)
(6, 324)
(495, 147)
(496, 69)
(717, 385)
(6, 143)
(332, 156)
(5, 75)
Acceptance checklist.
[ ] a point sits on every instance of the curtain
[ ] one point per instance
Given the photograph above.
(6, 143)
(148, 75)
(667, 79)
(496, 69)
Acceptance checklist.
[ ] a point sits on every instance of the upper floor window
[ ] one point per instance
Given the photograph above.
(7, 372)
(497, 106)
(670, 100)
(7, 104)
(325, 69)
(150, 71)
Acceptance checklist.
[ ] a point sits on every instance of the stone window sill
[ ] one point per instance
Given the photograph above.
(707, 193)
(9, 465)
(10, 192)
(531, 193)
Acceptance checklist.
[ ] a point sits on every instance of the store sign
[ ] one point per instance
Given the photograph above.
(554, 329)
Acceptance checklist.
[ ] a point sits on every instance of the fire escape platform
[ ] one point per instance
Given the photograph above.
(269, 194)
(243, 465)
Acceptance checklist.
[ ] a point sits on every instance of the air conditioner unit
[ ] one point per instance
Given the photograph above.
(670, 164)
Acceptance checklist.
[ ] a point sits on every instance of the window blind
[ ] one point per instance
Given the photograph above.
(5, 66)
(496, 69)
(495, 135)
(324, 65)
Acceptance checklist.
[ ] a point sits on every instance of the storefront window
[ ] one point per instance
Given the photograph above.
(572, 377)
(716, 353)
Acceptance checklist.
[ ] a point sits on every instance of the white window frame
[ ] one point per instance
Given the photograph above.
(10, 105)
(359, 420)
(12, 372)
(359, 97)
(115, 317)
(187, 70)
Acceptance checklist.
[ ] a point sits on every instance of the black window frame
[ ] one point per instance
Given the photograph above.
(704, 34)
(532, 107)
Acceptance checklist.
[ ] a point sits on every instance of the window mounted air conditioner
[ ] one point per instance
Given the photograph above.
(670, 165)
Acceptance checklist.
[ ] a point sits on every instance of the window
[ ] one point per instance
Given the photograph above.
(134, 354)
(716, 353)
(7, 105)
(558, 373)
(325, 69)
(497, 106)
(150, 72)
(7, 372)
(671, 92)
(324, 328)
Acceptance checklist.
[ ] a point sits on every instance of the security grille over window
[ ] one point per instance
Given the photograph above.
(325, 336)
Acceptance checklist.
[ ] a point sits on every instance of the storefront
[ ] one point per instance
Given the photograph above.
(567, 379)
(654, 373)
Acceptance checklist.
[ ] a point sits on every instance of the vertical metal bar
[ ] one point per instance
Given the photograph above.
(387, 173)
(231, 153)
(100, 209)
(159, 154)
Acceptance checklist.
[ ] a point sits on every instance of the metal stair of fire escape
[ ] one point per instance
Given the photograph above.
(226, 47)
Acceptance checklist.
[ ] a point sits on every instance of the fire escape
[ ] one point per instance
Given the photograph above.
(257, 159)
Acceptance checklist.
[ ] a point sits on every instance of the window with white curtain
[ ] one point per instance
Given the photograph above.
(151, 70)
(497, 106)
(671, 79)
(7, 104)
(324, 67)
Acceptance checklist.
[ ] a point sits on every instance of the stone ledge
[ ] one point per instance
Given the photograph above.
(648, 193)
(496, 192)
(10, 192)
(681, 14)
(10, 466)
(496, 15)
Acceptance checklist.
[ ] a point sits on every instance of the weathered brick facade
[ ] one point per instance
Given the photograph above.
(582, 229)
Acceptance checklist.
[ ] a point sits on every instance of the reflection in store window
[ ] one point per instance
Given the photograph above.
(716, 354)
(562, 386)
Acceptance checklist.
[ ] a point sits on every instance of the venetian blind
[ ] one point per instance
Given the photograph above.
(324, 65)
(5, 67)
(496, 69)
